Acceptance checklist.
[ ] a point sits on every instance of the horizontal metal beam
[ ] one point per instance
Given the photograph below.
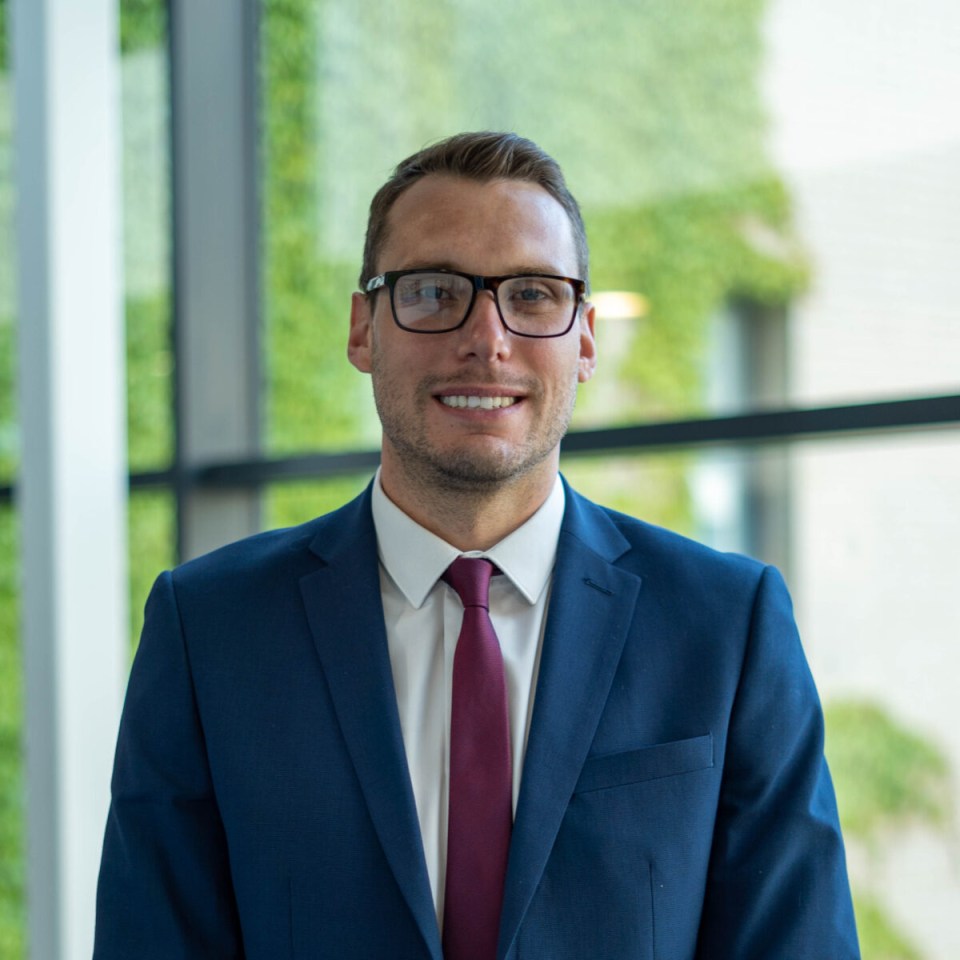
(304, 467)
(145, 480)
(772, 426)
(153, 479)
(767, 427)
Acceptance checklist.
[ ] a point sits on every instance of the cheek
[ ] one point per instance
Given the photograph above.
(395, 372)
(566, 373)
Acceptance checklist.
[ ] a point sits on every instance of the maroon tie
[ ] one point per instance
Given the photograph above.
(481, 798)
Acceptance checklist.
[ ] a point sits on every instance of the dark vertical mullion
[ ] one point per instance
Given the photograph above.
(179, 474)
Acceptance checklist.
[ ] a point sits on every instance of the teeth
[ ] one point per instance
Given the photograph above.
(483, 403)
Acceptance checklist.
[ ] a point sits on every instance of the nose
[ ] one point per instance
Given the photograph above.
(484, 336)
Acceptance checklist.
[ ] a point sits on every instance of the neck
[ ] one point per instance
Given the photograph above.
(468, 518)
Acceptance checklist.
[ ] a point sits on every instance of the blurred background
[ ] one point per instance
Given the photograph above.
(772, 195)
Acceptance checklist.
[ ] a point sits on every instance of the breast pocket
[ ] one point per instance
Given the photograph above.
(647, 763)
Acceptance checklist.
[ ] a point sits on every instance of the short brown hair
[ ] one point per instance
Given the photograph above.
(480, 156)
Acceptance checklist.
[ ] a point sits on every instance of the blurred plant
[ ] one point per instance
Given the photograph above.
(143, 24)
(11, 706)
(886, 777)
(879, 939)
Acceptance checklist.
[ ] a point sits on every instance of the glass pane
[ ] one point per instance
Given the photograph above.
(146, 255)
(12, 916)
(147, 300)
(866, 136)
(12, 880)
(777, 188)
(673, 173)
(152, 536)
(866, 532)
(764, 196)
(876, 526)
(8, 347)
(741, 191)
(146, 236)
(286, 505)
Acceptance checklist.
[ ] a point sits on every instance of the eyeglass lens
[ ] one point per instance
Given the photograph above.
(531, 305)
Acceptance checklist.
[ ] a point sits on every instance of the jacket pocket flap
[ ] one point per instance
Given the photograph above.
(647, 763)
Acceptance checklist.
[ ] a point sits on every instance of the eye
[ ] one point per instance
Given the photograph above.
(422, 290)
(535, 293)
(433, 291)
(531, 293)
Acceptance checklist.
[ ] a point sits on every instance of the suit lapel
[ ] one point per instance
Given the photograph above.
(591, 609)
(345, 613)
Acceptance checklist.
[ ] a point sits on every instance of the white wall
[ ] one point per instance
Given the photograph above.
(866, 129)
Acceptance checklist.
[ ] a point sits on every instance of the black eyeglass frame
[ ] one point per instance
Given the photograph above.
(389, 280)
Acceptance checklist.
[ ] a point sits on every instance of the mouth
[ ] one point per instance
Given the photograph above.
(475, 401)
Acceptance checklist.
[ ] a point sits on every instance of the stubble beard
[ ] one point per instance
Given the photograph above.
(462, 469)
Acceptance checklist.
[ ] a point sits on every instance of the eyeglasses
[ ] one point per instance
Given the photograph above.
(438, 301)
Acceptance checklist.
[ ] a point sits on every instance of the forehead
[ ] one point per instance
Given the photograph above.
(497, 226)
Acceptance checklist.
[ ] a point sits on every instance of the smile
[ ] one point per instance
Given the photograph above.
(480, 403)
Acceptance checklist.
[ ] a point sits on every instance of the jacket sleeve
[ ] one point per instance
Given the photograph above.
(777, 886)
(165, 888)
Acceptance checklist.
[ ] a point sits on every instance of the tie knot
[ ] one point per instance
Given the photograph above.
(470, 577)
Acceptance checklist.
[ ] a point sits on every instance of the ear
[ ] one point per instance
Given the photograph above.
(588, 344)
(361, 331)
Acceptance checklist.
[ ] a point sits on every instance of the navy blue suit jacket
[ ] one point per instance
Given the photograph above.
(674, 805)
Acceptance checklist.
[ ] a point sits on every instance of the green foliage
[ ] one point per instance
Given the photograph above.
(295, 503)
(879, 939)
(884, 774)
(143, 24)
(671, 175)
(150, 435)
(9, 437)
(688, 255)
(313, 396)
(662, 138)
(152, 535)
(11, 709)
(11, 693)
(621, 482)
(885, 777)
(149, 383)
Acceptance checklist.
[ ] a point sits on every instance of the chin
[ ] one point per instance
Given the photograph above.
(476, 472)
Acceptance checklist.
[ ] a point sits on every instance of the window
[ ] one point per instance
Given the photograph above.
(771, 194)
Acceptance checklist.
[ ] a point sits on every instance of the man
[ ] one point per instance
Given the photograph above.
(330, 749)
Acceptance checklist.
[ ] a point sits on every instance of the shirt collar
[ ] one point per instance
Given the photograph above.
(415, 558)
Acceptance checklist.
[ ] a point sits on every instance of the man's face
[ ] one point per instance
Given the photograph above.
(495, 228)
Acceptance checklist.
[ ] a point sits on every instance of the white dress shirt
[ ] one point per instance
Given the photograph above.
(423, 616)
